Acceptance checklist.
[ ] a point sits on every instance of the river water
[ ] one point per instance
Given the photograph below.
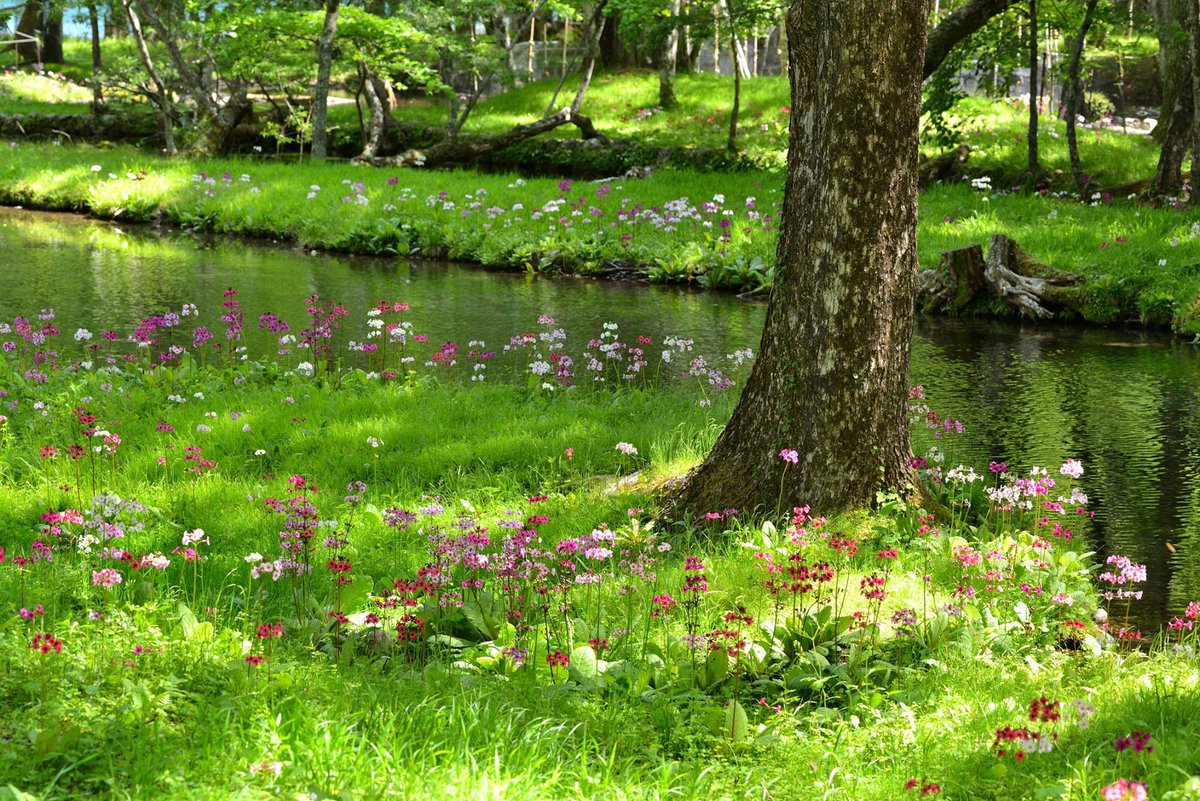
(1125, 403)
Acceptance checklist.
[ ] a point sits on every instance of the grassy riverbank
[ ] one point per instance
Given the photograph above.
(1139, 264)
(471, 604)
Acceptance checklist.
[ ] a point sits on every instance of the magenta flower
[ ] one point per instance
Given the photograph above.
(790, 456)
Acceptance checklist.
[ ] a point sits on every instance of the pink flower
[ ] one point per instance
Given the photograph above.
(1124, 790)
(105, 578)
(790, 456)
(1071, 468)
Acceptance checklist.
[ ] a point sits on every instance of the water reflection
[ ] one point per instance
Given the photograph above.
(1126, 404)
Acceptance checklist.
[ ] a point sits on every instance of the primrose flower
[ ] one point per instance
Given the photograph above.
(1071, 468)
(790, 456)
(627, 449)
(1124, 790)
(106, 578)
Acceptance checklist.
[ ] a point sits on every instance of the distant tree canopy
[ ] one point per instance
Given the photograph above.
(205, 66)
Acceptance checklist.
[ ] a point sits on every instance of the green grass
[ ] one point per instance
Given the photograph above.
(1115, 246)
(623, 105)
(31, 93)
(190, 721)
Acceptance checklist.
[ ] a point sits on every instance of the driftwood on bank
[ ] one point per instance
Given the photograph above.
(463, 149)
(1008, 274)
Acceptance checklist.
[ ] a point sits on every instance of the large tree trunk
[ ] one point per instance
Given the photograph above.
(324, 67)
(958, 25)
(832, 373)
(667, 59)
(1035, 166)
(1073, 96)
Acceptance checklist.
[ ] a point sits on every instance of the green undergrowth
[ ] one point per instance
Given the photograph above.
(1139, 264)
(624, 106)
(153, 694)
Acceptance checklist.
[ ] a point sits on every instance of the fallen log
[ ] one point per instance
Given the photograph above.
(462, 150)
(944, 167)
(1008, 274)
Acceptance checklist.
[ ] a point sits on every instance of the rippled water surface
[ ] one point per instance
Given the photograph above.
(1127, 404)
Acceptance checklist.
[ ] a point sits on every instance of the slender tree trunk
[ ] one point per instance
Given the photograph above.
(592, 33)
(97, 92)
(320, 109)
(1168, 175)
(1034, 166)
(163, 97)
(832, 372)
(29, 24)
(1194, 40)
(667, 59)
(52, 27)
(731, 142)
(1074, 92)
(532, 31)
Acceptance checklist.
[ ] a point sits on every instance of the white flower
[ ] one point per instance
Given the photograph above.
(96, 168)
(82, 334)
(374, 442)
(305, 369)
(260, 452)
(627, 449)
(253, 558)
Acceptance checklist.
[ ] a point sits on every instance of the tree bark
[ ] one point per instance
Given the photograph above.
(52, 34)
(731, 141)
(958, 25)
(1170, 25)
(321, 93)
(162, 94)
(379, 102)
(1034, 166)
(97, 92)
(592, 34)
(28, 25)
(1168, 175)
(957, 282)
(832, 373)
(1074, 93)
(1194, 42)
(667, 59)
